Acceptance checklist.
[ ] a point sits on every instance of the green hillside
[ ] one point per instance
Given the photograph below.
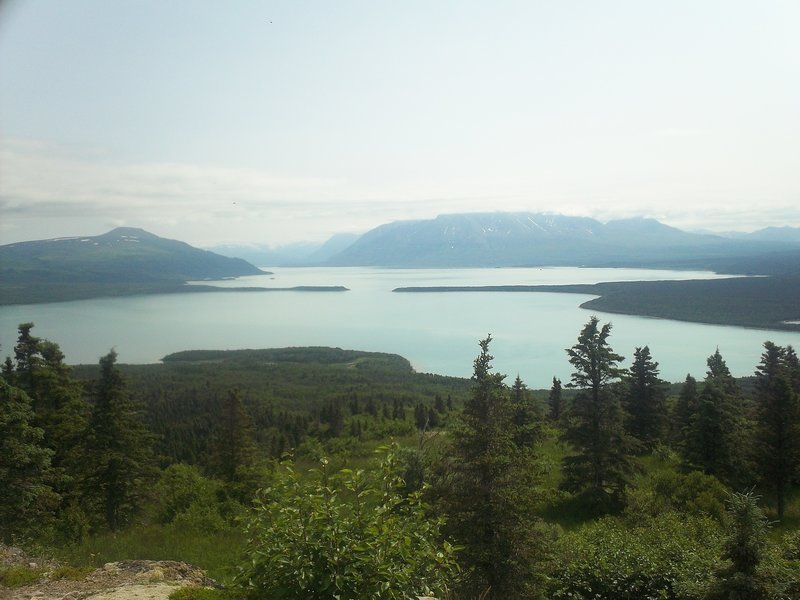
(122, 262)
(124, 254)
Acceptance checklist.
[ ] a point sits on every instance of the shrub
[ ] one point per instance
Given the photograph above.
(200, 593)
(179, 487)
(693, 493)
(349, 534)
(14, 576)
(673, 557)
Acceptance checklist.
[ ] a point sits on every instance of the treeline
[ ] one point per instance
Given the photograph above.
(84, 444)
(611, 486)
(306, 400)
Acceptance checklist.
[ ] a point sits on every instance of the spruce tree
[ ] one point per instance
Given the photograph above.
(685, 409)
(490, 491)
(120, 459)
(778, 422)
(718, 440)
(59, 408)
(744, 551)
(602, 465)
(26, 355)
(645, 400)
(555, 401)
(27, 499)
(526, 415)
(233, 444)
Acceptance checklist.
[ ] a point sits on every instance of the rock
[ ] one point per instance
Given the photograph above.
(122, 580)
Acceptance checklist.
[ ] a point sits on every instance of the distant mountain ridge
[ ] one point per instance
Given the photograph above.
(536, 239)
(773, 234)
(290, 255)
(125, 254)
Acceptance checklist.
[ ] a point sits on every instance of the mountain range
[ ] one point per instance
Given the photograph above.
(533, 239)
(126, 255)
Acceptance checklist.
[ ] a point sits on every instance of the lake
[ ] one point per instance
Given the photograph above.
(437, 332)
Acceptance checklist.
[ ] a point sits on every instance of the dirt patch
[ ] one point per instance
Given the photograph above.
(123, 580)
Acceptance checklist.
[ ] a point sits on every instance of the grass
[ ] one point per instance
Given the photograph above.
(198, 593)
(15, 576)
(217, 554)
(71, 573)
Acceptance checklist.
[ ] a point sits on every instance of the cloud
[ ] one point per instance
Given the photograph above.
(49, 191)
(33, 177)
(680, 132)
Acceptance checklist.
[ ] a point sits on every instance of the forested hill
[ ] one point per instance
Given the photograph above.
(530, 239)
(124, 254)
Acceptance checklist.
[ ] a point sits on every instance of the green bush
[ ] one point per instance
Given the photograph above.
(348, 534)
(673, 557)
(199, 593)
(181, 486)
(693, 493)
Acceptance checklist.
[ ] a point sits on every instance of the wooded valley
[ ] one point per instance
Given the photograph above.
(330, 473)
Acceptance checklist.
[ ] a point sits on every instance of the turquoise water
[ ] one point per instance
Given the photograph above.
(437, 332)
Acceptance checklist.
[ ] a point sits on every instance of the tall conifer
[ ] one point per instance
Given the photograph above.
(645, 400)
(718, 440)
(555, 401)
(685, 408)
(778, 427)
(121, 458)
(603, 464)
(491, 489)
(26, 496)
(233, 445)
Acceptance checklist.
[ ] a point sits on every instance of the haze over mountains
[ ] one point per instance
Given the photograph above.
(128, 261)
(125, 254)
(458, 240)
(531, 239)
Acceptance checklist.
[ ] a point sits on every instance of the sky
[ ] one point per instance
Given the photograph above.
(275, 122)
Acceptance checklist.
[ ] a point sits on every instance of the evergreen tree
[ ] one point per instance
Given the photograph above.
(526, 415)
(398, 410)
(555, 401)
(491, 491)
(793, 365)
(27, 499)
(26, 355)
(645, 400)
(421, 416)
(433, 418)
(778, 427)
(233, 445)
(603, 464)
(371, 408)
(685, 409)
(59, 409)
(744, 550)
(120, 459)
(718, 438)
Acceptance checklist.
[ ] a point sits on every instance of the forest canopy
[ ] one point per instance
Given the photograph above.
(615, 483)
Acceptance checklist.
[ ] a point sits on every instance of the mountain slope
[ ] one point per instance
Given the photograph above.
(298, 254)
(777, 234)
(518, 239)
(124, 255)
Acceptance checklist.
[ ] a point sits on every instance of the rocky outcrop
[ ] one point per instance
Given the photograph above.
(123, 580)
